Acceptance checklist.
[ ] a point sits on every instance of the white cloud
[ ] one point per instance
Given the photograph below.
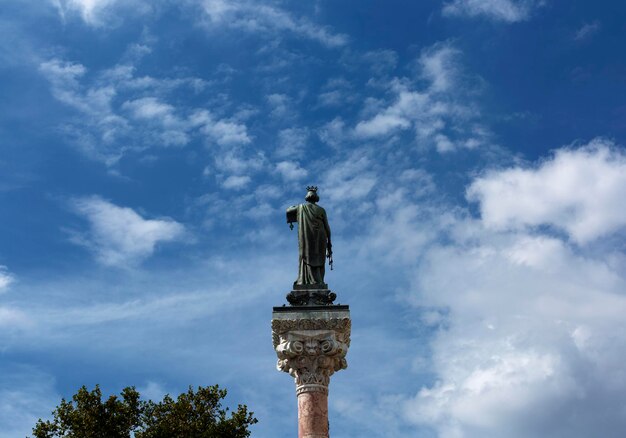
(124, 76)
(290, 170)
(172, 129)
(89, 9)
(249, 16)
(224, 132)
(99, 13)
(233, 162)
(390, 120)
(176, 129)
(535, 334)
(441, 114)
(119, 236)
(62, 74)
(531, 336)
(227, 133)
(350, 179)
(5, 278)
(439, 66)
(105, 130)
(334, 132)
(65, 80)
(510, 11)
(443, 144)
(149, 107)
(257, 17)
(580, 191)
(291, 142)
(94, 104)
(281, 105)
(236, 182)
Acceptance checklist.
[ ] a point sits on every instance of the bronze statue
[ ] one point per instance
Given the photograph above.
(313, 241)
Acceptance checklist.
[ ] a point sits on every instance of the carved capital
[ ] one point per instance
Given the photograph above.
(311, 348)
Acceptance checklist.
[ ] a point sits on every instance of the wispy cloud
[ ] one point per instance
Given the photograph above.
(94, 104)
(118, 111)
(100, 13)
(65, 78)
(281, 105)
(587, 30)
(255, 17)
(334, 133)
(224, 132)
(510, 11)
(6, 278)
(262, 18)
(290, 170)
(350, 179)
(291, 142)
(171, 129)
(382, 61)
(439, 65)
(236, 182)
(441, 113)
(118, 236)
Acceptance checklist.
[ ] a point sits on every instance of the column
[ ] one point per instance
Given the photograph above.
(311, 344)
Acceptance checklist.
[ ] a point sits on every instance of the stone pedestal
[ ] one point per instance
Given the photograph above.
(311, 343)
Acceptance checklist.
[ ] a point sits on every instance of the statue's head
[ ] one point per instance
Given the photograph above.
(311, 195)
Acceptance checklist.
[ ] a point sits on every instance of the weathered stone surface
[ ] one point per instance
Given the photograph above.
(313, 415)
(311, 345)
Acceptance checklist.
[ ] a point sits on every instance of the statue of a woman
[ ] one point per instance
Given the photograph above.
(313, 241)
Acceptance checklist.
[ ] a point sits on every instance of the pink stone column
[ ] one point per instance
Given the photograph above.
(313, 415)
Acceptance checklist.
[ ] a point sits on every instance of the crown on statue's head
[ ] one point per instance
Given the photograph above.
(311, 189)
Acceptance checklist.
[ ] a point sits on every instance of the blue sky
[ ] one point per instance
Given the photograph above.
(469, 154)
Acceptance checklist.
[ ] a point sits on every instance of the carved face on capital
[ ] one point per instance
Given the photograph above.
(310, 346)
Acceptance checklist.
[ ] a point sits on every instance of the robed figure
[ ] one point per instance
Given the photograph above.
(313, 241)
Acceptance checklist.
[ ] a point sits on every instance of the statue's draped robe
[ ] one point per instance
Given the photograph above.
(313, 237)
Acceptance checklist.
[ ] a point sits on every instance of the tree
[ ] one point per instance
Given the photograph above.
(195, 414)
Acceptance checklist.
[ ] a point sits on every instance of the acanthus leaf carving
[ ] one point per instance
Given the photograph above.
(311, 350)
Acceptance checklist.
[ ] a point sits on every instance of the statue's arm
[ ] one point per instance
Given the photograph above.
(327, 227)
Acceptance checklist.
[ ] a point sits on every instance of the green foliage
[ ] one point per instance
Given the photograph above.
(195, 414)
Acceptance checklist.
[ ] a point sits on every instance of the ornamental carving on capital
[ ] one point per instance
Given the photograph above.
(311, 350)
